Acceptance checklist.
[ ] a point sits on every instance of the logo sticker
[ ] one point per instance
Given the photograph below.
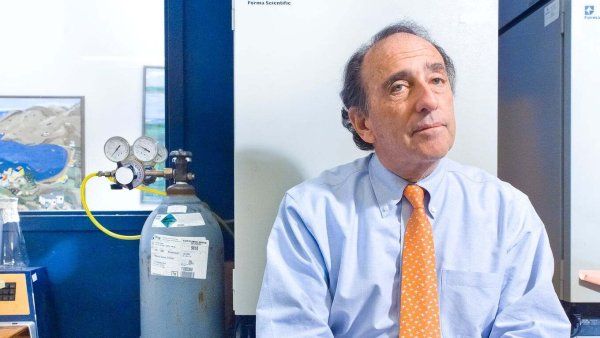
(168, 220)
(590, 10)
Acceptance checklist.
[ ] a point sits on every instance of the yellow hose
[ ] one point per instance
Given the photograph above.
(95, 221)
(151, 190)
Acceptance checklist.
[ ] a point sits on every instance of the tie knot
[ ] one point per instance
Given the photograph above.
(415, 195)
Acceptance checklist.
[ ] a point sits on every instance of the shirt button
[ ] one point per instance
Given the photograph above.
(384, 208)
(432, 210)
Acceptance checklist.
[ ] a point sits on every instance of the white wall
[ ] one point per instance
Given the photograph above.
(92, 48)
(288, 69)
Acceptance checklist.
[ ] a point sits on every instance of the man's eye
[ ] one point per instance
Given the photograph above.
(398, 87)
(438, 81)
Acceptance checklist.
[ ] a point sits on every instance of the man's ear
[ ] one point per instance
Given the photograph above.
(361, 123)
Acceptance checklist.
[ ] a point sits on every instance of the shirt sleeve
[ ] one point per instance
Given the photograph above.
(528, 304)
(294, 299)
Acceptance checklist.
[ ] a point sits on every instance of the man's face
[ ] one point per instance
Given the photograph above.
(410, 117)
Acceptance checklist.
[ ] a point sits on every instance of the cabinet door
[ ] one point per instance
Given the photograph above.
(530, 119)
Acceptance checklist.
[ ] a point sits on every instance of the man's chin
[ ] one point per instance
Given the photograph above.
(435, 149)
(434, 154)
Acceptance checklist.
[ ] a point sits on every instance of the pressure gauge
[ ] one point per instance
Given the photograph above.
(145, 149)
(124, 175)
(161, 154)
(116, 149)
(130, 174)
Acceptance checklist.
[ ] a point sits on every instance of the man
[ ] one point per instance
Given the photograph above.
(405, 241)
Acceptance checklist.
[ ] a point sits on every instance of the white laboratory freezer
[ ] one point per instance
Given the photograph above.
(548, 129)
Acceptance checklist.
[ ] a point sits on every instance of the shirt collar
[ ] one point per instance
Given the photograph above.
(388, 187)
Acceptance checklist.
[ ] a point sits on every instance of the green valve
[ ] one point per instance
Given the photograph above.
(168, 220)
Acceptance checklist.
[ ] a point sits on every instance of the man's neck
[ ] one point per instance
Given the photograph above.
(412, 172)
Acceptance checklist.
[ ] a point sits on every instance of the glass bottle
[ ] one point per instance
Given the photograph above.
(13, 254)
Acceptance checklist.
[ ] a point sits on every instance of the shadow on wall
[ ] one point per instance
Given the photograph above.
(589, 285)
(262, 178)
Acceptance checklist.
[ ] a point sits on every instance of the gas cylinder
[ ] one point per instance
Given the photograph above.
(181, 264)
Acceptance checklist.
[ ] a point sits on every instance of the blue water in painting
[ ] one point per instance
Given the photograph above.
(41, 160)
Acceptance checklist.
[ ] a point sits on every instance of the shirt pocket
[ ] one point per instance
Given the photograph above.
(469, 302)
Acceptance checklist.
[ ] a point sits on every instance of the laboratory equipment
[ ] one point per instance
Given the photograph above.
(13, 253)
(24, 303)
(161, 154)
(130, 174)
(181, 245)
(116, 149)
(145, 149)
(181, 264)
(547, 139)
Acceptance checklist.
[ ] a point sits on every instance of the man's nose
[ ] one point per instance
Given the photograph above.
(427, 101)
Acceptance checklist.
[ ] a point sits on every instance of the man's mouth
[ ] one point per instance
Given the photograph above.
(427, 126)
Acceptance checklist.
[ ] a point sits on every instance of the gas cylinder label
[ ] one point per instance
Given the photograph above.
(185, 257)
(176, 209)
(178, 220)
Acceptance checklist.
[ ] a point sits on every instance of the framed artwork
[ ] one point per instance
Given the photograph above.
(41, 151)
(154, 119)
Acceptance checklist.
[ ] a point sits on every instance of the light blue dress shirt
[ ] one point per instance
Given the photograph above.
(334, 256)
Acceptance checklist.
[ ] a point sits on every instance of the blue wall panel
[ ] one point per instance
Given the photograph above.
(208, 76)
(206, 72)
(94, 278)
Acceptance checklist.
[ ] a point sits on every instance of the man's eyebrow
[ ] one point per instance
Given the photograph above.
(401, 75)
(436, 67)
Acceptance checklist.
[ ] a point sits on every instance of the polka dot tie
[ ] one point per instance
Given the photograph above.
(419, 301)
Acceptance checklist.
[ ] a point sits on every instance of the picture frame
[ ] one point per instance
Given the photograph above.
(153, 116)
(42, 147)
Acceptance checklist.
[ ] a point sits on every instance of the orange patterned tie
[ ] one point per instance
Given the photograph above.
(419, 301)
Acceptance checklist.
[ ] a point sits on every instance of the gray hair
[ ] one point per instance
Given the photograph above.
(353, 93)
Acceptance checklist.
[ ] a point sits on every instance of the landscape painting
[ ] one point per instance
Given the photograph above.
(154, 119)
(41, 151)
